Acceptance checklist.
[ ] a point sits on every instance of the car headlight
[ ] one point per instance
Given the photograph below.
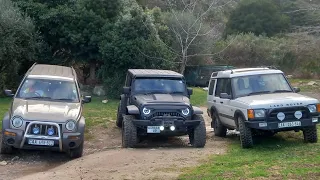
(256, 113)
(17, 122)
(70, 125)
(185, 111)
(146, 111)
(312, 108)
(259, 113)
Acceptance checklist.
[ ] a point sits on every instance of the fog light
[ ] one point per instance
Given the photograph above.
(35, 130)
(161, 128)
(172, 128)
(50, 131)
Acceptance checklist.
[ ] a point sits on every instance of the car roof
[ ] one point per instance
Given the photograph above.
(244, 72)
(153, 73)
(45, 71)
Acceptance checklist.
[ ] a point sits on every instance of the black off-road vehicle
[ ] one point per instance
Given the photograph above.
(156, 102)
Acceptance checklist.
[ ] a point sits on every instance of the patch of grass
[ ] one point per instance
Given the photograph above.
(199, 97)
(284, 156)
(303, 84)
(4, 107)
(97, 113)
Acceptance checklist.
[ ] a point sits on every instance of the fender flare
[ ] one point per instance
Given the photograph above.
(82, 125)
(6, 121)
(238, 113)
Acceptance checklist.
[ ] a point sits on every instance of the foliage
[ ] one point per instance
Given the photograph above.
(258, 17)
(19, 43)
(293, 54)
(130, 42)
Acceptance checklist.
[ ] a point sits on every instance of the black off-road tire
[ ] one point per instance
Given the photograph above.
(310, 134)
(5, 149)
(198, 136)
(129, 132)
(219, 129)
(120, 113)
(77, 152)
(245, 134)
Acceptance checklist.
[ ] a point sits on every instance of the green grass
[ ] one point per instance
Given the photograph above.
(199, 97)
(303, 84)
(4, 107)
(284, 156)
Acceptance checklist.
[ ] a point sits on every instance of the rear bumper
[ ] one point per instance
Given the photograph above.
(265, 125)
(67, 141)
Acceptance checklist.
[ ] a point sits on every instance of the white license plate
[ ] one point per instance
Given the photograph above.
(41, 142)
(289, 124)
(153, 129)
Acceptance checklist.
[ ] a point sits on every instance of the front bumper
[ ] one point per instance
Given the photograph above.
(63, 142)
(283, 125)
(181, 126)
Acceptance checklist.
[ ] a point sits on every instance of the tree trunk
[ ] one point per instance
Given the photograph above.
(92, 76)
(183, 63)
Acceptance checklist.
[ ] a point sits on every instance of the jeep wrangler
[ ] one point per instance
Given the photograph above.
(46, 112)
(259, 101)
(156, 102)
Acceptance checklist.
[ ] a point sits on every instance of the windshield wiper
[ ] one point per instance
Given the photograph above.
(38, 97)
(64, 99)
(259, 92)
(175, 92)
(281, 90)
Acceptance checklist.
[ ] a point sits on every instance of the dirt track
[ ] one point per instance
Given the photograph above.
(105, 159)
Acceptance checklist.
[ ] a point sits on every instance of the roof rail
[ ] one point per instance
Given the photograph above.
(34, 64)
(270, 67)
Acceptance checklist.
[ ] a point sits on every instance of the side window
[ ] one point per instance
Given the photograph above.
(211, 86)
(223, 86)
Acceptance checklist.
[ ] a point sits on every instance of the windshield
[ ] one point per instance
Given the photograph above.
(48, 89)
(159, 86)
(260, 84)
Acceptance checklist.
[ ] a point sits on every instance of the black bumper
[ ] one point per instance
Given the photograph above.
(164, 122)
(296, 124)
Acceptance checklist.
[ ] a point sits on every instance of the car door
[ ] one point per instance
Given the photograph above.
(224, 105)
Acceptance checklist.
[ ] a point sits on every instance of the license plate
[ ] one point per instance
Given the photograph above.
(289, 124)
(40, 142)
(153, 129)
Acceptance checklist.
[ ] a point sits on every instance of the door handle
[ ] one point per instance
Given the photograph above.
(221, 102)
(214, 101)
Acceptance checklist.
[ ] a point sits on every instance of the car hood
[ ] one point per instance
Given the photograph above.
(35, 110)
(161, 99)
(277, 100)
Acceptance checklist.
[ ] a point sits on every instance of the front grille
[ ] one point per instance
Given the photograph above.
(289, 113)
(170, 114)
(43, 130)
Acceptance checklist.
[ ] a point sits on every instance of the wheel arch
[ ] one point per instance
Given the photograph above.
(238, 113)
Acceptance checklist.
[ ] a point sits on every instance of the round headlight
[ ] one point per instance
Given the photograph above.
(146, 111)
(312, 108)
(70, 125)
(17, 122)
(185, 111)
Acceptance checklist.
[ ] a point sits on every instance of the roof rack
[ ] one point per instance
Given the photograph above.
(270, 67)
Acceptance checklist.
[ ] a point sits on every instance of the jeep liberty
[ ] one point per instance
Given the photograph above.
(46, 112)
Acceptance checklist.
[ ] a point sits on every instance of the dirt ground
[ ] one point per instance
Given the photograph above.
(105, 159)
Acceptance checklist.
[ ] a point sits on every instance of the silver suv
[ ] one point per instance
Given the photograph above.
(46, 112)
(259, 101)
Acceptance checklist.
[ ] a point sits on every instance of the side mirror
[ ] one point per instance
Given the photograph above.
(86, 99)
(190, 91)
(225, 96)
(8, 93)
(126, 90)
(296, 89)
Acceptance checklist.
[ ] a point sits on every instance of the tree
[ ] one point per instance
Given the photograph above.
(19, 43)
(258, 17)
(131, 42)
(194, 36)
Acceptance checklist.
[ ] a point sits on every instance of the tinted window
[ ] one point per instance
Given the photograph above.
(159, 86)
(48, 89)
(223, 86)
(211, 86)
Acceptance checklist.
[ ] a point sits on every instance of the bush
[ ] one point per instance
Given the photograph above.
(19, 44)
